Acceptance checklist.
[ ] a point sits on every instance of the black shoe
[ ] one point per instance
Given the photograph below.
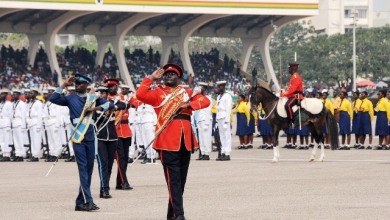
(200, 157)
(369, 147)
(346, 148)
(33, 159)
(340, 148)
(125, 186)
(250, 146)
(71, 159)
(131, 160)
(220, 158)
(180, 217)
(81, 207)
(18, 159)
(147, 160)
(105, 194)
(384, 147)
(226, 158)
(5, 159)
(44, 155)
(327, 147)
(360, 147)
(206, 157)
(242, 147)
(311, 145)
(91, 206)
(379, 147)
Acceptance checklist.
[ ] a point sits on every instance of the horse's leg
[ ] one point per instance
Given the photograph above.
(318, 137)
(276, 146)
(321, 159)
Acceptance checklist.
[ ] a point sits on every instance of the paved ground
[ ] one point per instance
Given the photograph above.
(351, 184)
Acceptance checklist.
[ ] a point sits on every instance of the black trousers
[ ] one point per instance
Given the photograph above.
(122, 158)
(288, 106)
(175, 166)
(105, 159)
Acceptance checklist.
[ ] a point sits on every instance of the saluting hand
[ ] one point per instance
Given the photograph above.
(157, 74)
(70, 81)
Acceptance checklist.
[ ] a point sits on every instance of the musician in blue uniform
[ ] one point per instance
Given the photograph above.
(82, 106)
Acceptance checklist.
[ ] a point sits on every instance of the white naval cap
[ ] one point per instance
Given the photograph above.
(203, 84)
(101, 88)
(324, 91)
(309, 90)
(51, 88)
(125, 86)
(71, 88)
(45, 91)
(4, 90)
(17, 90)
(185, 86)
(138, 85)
(35, 89)
(27, 90)
(221, 82)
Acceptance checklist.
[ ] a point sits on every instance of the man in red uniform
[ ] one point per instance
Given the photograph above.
(124, 134)
(293, 92)
(177, 139)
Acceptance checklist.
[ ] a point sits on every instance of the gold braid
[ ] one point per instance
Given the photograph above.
(169, 108)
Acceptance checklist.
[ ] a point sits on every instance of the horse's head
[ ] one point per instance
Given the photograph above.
(254, 96)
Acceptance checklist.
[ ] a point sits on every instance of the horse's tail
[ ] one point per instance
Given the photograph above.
(332, 128)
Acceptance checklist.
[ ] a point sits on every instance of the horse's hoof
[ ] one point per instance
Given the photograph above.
(312, 157)
(311, 160)
(321, 159)
(275, 160)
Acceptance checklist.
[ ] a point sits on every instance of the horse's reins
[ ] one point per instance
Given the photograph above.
(275, 99)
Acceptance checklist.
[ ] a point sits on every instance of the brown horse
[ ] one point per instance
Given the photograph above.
(314, 122)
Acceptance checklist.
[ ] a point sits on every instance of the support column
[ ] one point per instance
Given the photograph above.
(263, 45)
(121, 30)
(33, 41)
(52, 29)
(186, 32)
(102, 42)
(167, 43)
(247, 45)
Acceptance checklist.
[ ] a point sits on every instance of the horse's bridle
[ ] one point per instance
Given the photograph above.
(257, 99)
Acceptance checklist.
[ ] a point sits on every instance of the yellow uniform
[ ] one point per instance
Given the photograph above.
(346, 106)
(366, 106)
(336, 102)
(383, 106)
(328, 105)
(244, 108)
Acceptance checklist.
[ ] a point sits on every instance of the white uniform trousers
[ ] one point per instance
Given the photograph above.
(204, 133)
(44, 141)
(36, 136)
(225, 136)
(138, 135)
(5, 134)
(26, 141)
(18, 137)
(55, 145)
(132, 146)
(147, 130)
(70, 143)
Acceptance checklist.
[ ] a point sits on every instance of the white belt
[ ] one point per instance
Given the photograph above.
(76, 120)
(4, 117)
(33, 117)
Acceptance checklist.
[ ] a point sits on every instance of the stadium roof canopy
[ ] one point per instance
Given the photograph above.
(174, 21)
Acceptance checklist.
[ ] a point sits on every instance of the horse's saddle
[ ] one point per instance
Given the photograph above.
(312, 105)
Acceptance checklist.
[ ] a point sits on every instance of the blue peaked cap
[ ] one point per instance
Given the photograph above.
(82, 78)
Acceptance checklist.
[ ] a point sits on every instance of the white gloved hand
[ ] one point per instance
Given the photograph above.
(206, 127)
(225, 126)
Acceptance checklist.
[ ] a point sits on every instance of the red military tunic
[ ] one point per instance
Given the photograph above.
(123, 129)
(170, 137)
(296, 85)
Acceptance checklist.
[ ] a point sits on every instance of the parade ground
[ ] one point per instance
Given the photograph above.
(352, 184)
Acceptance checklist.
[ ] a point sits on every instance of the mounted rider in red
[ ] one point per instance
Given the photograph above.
(293, 92)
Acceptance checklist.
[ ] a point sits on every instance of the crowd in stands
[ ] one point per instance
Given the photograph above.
(16, 72)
